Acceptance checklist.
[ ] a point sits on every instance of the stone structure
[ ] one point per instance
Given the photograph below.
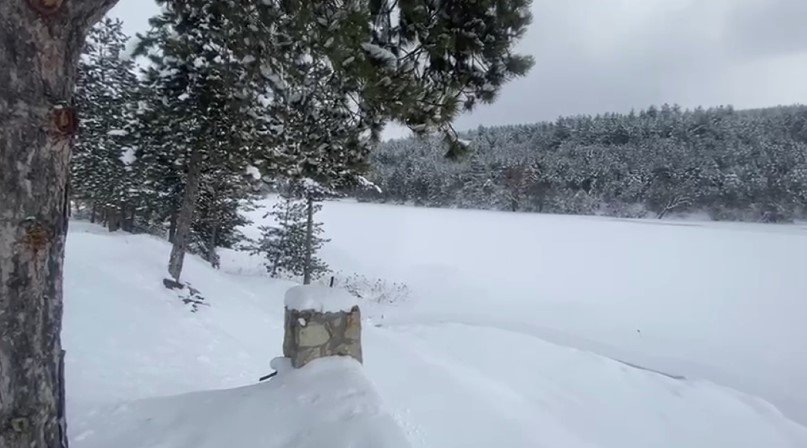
(312, 334)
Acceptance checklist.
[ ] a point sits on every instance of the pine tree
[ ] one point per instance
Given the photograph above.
(327, 76)
(413, 61)
(291, 244)
(732, 164)
(216, 222)
(105, 96)
(518, 179)
(202, 114)
(160, 159)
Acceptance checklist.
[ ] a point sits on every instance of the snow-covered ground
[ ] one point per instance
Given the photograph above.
(328, 403)
(521, 331)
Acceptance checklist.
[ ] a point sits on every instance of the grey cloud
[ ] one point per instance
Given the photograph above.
(595, 56)
(768, 27)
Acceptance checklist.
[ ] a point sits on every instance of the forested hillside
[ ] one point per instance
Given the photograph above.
(733, 165)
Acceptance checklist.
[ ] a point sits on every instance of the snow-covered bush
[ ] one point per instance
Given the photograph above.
(376, 290)
(574, 203)
(624, 210)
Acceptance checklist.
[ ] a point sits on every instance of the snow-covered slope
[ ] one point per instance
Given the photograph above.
(720, 301)
(128, 338)
(497, 345)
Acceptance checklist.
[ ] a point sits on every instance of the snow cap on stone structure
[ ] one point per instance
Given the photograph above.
(319, 298)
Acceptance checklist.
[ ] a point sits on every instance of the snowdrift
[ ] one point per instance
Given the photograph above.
(327, 403)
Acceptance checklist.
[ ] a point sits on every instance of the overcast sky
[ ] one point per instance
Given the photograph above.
(597, 56)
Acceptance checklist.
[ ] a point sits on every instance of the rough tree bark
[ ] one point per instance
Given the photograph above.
(309, 240)
(172, 225)
(40, 41)
(185, 215)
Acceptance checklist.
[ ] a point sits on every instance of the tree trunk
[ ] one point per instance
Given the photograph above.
(114, 220)
(39, 50)
(284, 225)
(212, 256)
(92, 214)
(309, 240)
(130, 221)
(126, 217)
(146, 216)
(172, 226)
(185, 215)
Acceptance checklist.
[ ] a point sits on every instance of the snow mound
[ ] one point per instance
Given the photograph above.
(319, 298)
(331, 396)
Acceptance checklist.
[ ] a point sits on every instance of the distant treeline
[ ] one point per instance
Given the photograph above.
(734, 165)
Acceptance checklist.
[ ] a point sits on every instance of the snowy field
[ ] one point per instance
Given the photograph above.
(520, 331)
